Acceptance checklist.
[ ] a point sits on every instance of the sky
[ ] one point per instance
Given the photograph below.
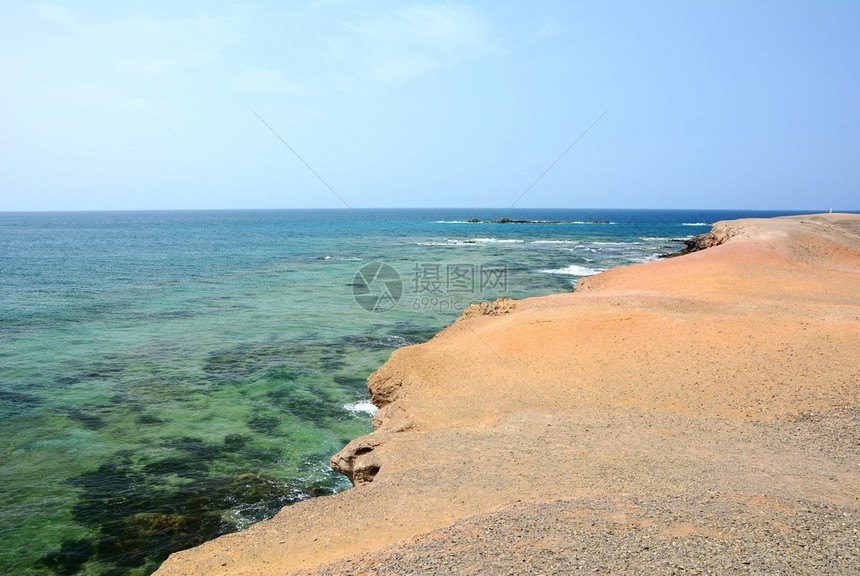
(344, 103)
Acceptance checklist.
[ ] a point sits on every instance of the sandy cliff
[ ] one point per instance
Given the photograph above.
(691, 415)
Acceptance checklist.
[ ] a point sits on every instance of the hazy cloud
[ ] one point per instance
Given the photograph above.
(104, 97)
(56, 13)
(153, 46)
(415, 40)
(269, 81)
(548, 29)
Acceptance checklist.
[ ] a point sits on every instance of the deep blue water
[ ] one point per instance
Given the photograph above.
(166, 377)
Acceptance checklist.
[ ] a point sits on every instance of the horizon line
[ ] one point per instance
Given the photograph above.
(337, 209)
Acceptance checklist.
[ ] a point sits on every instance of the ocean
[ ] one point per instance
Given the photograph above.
(168, 377)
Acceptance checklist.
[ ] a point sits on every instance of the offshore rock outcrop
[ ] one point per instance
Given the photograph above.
(522, 221)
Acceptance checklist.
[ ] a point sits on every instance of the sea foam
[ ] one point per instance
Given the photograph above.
(471, 242)
(361, 407)
(574, 270)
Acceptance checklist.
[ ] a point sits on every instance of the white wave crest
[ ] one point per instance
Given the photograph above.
(574, 270)
(361, 407)
(471, 242)
(496, 241)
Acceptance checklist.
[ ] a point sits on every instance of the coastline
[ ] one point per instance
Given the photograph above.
(680, 396)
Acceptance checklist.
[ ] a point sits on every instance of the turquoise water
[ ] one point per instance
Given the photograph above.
(167, 377)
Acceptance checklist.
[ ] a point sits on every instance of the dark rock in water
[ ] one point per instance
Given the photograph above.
(696, 243)
(318, 491)
(691, 245)
(259, 491)
(19, 398)
(379, 342)
(350, 381)
(306, 402)
(86, 419)
(236, 439)
(70, 558)
(521, 221)
(12, 403)
(149, 419)
(265, 424)
(703, 241)
(514, 221)
(138, 518)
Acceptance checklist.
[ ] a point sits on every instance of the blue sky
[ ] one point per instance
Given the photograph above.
(151, 105)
